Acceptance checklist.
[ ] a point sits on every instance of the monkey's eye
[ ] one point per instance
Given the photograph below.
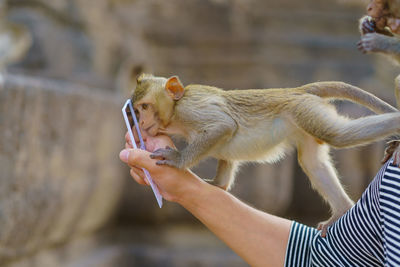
(145, 106)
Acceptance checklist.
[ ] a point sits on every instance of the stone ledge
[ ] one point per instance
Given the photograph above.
(60, 172)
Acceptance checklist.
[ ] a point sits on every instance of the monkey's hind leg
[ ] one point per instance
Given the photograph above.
(315, 160)
(225, 174)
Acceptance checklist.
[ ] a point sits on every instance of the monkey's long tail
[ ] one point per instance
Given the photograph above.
(341, 90)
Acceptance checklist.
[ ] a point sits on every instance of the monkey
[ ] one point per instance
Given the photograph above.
(379, 30)
(375, 40)
(260, 125)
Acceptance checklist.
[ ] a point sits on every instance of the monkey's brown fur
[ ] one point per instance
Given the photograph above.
(260, 125)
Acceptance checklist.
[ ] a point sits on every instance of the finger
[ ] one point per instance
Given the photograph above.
(135, 134)
(137, 178)
(128, 140)
(138, 158)
(138, 171)
(135, 138)
(160, 141)
(127, 146)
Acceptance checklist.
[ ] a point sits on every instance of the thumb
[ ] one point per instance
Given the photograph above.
(137, 157)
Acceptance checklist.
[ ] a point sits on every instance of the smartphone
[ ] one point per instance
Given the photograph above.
(131, 123)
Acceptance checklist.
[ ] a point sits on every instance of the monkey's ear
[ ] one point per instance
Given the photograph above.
(174, 88)
(136, 72)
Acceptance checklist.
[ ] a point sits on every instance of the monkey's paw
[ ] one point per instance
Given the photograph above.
(323, 226)
(168, 156)
(367, 25)
(224, 187)
(373, 42)
(392, 149)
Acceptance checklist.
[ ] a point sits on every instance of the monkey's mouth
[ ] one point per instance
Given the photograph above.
(148, 129)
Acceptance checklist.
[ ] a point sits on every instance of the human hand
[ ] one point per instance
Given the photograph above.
(172, 183)
(152, 143)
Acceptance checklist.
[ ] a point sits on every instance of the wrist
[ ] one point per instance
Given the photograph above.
(194, 193)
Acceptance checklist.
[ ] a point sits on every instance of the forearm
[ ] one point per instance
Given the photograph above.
(259, 238)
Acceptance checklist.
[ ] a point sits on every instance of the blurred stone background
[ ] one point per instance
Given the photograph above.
(66, 200)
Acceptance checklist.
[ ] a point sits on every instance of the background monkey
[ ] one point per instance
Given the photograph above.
(380, 34)
(260, 125)
(380, 29)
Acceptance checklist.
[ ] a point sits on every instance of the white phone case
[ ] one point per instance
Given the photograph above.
(154, 187)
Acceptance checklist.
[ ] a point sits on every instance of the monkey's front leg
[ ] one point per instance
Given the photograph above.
(201, 147)
(186, 158)
(375, 42)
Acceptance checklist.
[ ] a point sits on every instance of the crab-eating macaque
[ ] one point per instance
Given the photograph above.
(380, 31)
(260, 125)
(380, 28)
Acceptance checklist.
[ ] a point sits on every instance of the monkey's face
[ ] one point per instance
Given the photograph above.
(154, 100)
(378, 9)
(146, 114)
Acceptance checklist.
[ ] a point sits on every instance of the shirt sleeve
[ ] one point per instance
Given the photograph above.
(298, 252)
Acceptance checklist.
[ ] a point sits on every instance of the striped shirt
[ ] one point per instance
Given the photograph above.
(367, 235)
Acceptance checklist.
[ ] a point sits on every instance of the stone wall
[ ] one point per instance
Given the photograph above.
(228, 43)
(60, 174)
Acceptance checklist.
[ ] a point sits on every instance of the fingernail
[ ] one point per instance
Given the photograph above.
(124, 155)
